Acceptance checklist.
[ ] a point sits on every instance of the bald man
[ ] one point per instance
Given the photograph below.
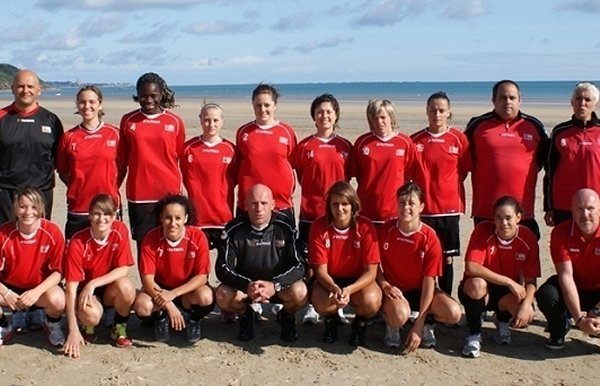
(29, 136)
(258, 263)
(574, 292)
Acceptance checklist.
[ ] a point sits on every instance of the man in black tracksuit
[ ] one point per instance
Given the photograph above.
(258, 263)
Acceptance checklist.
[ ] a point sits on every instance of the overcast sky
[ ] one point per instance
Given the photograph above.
(243, 41)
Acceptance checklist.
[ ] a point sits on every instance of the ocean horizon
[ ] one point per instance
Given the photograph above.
(472, 92)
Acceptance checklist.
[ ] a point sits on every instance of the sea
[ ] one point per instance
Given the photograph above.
(539, 92)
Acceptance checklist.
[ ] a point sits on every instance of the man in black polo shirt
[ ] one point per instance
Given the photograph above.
(29, 136)
(258, 263)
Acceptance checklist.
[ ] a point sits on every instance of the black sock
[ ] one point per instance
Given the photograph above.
(120, 319)
(474, 309)
(503, 316)
(3, 320)
(198, 312)
(52, 320)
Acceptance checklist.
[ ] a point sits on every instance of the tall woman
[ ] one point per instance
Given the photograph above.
(344, 255)
(87, 160)
(443, 162)
(151, 142)
(382, 160)
(32, 255)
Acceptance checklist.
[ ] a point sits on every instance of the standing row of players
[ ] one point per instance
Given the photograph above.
(503, 150)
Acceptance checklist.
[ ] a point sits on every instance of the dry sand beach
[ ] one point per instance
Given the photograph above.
(220, 359)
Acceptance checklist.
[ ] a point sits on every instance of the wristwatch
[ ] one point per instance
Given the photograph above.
(277, 286)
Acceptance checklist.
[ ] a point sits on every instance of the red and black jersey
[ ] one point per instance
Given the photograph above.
(573, 162)
(518, 258)
(347, 253)
(210, 175)
(88, 258)
(27, 260)
(28, 146)
(381, 166)
(319, 163)
(150, 147)
(443, 163)
(567, 244)
(266, 158)
(406, 258)
(88, 160)
(506, 158)
(174, 263)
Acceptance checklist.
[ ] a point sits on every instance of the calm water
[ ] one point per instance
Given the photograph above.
(545, 92)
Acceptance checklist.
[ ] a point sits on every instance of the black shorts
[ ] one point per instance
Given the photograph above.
(495, 292)
(303, 234)
(447, 229)
(413, 297)
(214, 237)
(529, 223)
(142, 218)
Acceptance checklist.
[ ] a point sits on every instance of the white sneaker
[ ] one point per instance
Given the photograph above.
(310, 316)
(55, 333)
(413, 316)
(503, 335)
(429, 339)
(392, 336)
(257, 307)
(343, 318)
(473, 346)
(275, 309)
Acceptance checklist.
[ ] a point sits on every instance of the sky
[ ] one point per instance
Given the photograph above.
(297, 41)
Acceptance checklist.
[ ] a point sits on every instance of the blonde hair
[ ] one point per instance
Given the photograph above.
(375, 106)
(32, 194)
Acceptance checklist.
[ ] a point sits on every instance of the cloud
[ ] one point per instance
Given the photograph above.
(465, 9)
(251, 14)
(157, 33)
(101, 25)
(219, 27)
(330, 43)
(27, 31)
(295, 22)
(69, 41)
(390, 12)
(147, 56)
(580, 6)
(279, 50)
(52, 5)
(247, 59)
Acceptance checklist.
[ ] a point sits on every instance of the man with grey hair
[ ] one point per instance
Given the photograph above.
(574, 292)
(574, 155)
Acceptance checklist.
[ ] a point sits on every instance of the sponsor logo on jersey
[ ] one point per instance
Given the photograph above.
(284, 140)
(597, 251)
(520, 257)
(574, 250)
(111, 143)
(170, 128)
(585, 143)
(365, 150)
(528, 137)
(508, 135)
(46, 129)
(400, 152)
(505, 247)
(384, 144)
(357, 244)
(44, 248)
(420, 147)
(344, 154)
(175, 249)
(26, 120)
(28, 242)
(453, 150)
(191, 255)
(93, 136)
(259, 243)
(227, 160)
(437, 140)
(279, 243)
(210, 150)
(405, 240)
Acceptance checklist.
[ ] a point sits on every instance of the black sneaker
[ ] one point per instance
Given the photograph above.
(331, 324)
(288, 326)
(555, 343)
(161, 329)
(359, 329)
(193, 331)
(247, 320)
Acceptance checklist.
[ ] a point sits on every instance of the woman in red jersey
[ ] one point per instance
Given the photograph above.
(320, 160)
(97, 266)
(382, 160)
(152, 139)
(443, 162)
(411, 258)
(501, 266)
(174, 268)
(344, 255)
(31, 256)
(86, 160)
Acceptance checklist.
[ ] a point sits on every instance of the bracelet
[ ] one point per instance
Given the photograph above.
(580, 318)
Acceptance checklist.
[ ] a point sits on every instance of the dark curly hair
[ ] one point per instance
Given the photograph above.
(167, 97)
(177, 199)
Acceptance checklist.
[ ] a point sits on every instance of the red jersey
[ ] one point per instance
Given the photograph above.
(174, 263)
(88, 258)
(567, 244)
(573, 162)
(265, 158)
(209, 175)
(381, 167)
(506, 158)
(443, 163)
(406, 258)
(517, 259)
(348, 252)
(150, 147)
(319, 163)
(26, 261)
(88, 159)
